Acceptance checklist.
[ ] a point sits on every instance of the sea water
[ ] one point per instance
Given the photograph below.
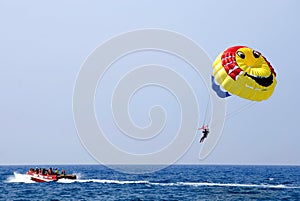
(177, 182)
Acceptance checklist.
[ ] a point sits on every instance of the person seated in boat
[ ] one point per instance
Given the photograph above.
(44, 171)
(50, 171)
(63, 172)
(56, 171)
(37, 170)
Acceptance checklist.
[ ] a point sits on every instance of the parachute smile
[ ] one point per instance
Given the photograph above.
(253, 88)
(263, 81)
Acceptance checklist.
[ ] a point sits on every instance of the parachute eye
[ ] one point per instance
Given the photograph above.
(256, 54)
(241, 54)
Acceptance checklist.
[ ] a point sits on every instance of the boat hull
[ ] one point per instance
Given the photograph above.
(47, 178)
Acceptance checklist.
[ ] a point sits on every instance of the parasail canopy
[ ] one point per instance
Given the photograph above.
(243, 72)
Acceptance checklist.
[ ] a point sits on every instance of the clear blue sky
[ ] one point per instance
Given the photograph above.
(44, 43)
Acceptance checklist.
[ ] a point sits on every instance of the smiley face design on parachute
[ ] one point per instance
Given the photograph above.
(244, 72)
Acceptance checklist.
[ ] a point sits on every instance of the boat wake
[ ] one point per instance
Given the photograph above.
(192, 184)
(23, 178)
(19, 178)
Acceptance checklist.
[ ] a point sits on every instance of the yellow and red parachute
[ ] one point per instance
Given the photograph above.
(244, 72)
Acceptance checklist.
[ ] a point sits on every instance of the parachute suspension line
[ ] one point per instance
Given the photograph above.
(206, 112)
(245, 107)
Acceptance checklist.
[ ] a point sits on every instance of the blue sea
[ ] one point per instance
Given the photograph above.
(177, 182)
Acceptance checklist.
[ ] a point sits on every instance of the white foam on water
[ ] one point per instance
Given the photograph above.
(103, 181)
(19, 178)
(66, 181)
(78, 175)
(232, 185)
(194, 184)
